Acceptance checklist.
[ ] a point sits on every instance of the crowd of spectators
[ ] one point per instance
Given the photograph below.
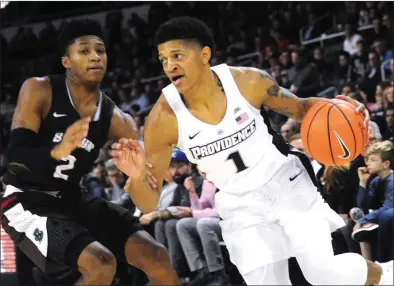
(185, 220)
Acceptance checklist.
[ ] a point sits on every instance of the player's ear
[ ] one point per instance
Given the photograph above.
(206, 54)
(66, 62)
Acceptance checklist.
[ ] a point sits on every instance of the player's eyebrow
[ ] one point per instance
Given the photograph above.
(173, 51)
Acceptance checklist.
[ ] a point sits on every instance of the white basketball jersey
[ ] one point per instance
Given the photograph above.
(237, 154)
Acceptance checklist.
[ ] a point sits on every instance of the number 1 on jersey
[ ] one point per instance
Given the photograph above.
(239, 163)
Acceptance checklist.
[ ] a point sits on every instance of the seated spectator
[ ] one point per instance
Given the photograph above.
(381, 49)
(344, 73)
(351, 39)
(199, 236)
(380, 162)
(166, 197)
(165, 227)
(389, 115)
(296, 142)
(372, 76)
(116, 193)
(95, 181)
(304, 77)
(359, 60)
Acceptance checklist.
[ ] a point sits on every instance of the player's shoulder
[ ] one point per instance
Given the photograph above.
(248, 75)
(37, 83)
(37, 89)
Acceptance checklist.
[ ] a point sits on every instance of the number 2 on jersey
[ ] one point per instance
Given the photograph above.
(59, 169)
(239, 163)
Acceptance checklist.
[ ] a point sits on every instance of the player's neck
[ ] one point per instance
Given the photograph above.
(81, 92)
(202, 93)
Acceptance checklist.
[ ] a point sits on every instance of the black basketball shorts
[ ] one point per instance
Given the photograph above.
(52, 230)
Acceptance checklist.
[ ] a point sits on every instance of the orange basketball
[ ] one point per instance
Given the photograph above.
(333, 132)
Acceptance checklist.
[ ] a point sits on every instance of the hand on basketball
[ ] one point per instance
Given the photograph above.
(130, 158)
(363, 175)
(189, 185)
(72, 139)
(359, 108)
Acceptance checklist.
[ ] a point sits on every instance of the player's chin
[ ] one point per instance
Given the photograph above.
(94, 77)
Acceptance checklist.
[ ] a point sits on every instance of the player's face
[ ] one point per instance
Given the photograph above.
(87, 59)
(183, 62)
(374, 164)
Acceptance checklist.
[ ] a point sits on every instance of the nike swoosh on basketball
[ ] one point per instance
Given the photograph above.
(58, 115)
(192, 137)
(293, 178)
(345, 149)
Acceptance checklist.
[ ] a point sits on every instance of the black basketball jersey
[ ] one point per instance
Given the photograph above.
(62, 114)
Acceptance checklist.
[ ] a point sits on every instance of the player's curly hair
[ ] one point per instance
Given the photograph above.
(76, 29)
(185, 28)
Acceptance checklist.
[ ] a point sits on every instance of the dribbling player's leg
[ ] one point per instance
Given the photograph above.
(97, 265)
(272, 274)
(145, 253)
(307, 227)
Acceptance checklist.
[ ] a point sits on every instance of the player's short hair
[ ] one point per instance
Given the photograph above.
(384, 149)
(76, 29)
(185, 28)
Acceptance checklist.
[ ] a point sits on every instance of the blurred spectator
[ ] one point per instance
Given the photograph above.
(380, 47)
(351, 39)
(165, 227)
(359, 60)
(303, 76)
(116, 193)
(380, 161)
(372, 76)
(389, 134)
(199, 236)
(296, 141)
(338, 188)
(344, 74)
(95, 181)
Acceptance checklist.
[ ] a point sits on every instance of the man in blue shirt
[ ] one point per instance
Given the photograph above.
(380, 162)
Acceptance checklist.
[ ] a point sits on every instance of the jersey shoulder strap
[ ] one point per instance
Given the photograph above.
(174, 99)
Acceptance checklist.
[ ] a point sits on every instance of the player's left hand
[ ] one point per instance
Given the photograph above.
(130, 158)
(359, 108)
(183, 212)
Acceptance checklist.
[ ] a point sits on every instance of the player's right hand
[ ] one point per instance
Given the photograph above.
(363, 175)
(130, 158)
(72, 139)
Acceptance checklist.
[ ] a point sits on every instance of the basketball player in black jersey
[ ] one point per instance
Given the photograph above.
(60, 124)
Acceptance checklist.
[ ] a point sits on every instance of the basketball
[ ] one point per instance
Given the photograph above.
(333, 132)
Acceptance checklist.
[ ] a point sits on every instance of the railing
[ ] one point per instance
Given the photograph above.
(324, 37)
(382, 69)
(302, 30)
(330, 92)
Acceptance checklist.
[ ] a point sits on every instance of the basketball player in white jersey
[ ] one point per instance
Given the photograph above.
(268, 201)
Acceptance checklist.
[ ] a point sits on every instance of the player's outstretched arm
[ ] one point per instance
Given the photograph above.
(160, 134)
(264, 90)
